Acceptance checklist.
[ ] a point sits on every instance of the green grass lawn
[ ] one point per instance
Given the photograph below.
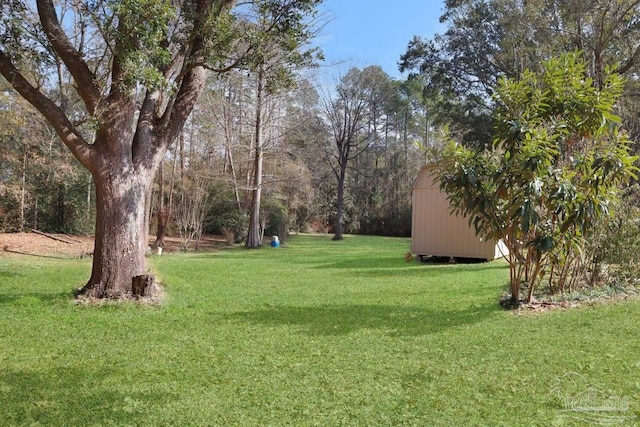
(318, 333)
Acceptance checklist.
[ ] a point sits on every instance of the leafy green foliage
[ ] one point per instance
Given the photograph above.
(279, 41)
(460, 67)
(139, 31)
(552, 173)
(222, 31)
(224, 217)
(276, 217)
(485, 40)
(10, 22)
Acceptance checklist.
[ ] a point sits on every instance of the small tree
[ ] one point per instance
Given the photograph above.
(554, 169)
(192, 210)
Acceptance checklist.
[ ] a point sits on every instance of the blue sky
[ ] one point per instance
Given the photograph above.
(375, 32)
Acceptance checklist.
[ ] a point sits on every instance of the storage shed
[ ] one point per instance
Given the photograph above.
(435, 231)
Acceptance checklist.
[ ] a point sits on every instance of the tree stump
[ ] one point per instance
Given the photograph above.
(140, 284)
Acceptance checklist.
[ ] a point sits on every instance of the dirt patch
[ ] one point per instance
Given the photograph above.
(39, 245)
(174, 244)
(17, 244)
(540, 307)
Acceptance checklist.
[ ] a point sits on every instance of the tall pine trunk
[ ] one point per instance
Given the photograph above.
(254, 236)
(23, 190)
(340, 204)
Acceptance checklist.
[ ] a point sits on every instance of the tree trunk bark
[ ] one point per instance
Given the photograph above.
(340, 204)
(254, 239)
(142, 285)
(120, 241)
(234, 177)
(148, 201)
(162, 214)
(171, 185)
(88, 213)
(35, 213)
(134, 126)
(23, 190)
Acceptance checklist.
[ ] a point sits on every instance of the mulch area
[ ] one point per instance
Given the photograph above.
(78, 246)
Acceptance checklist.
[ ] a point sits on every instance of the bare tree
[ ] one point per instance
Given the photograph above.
(191, 211)
(347, 113)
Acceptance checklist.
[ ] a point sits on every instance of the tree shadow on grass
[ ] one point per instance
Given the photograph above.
(8, 275)
(400, 263)
(390, 267)
(345, 319)
(34, 298)
(71, 397)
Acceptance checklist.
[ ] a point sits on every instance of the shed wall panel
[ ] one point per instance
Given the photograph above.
(436, 231)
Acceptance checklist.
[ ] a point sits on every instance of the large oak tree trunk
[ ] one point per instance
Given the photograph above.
(120, 234)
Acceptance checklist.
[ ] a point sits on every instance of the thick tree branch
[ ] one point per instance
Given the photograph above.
(118, 70)
(142, 150)
(87, 88)
(177, 113)
(192, 78)
(54, 115)
(234, 64)
(631, 62)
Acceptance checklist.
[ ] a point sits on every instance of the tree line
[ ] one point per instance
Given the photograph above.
(207, 178)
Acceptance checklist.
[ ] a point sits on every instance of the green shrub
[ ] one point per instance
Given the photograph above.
(226, 219)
